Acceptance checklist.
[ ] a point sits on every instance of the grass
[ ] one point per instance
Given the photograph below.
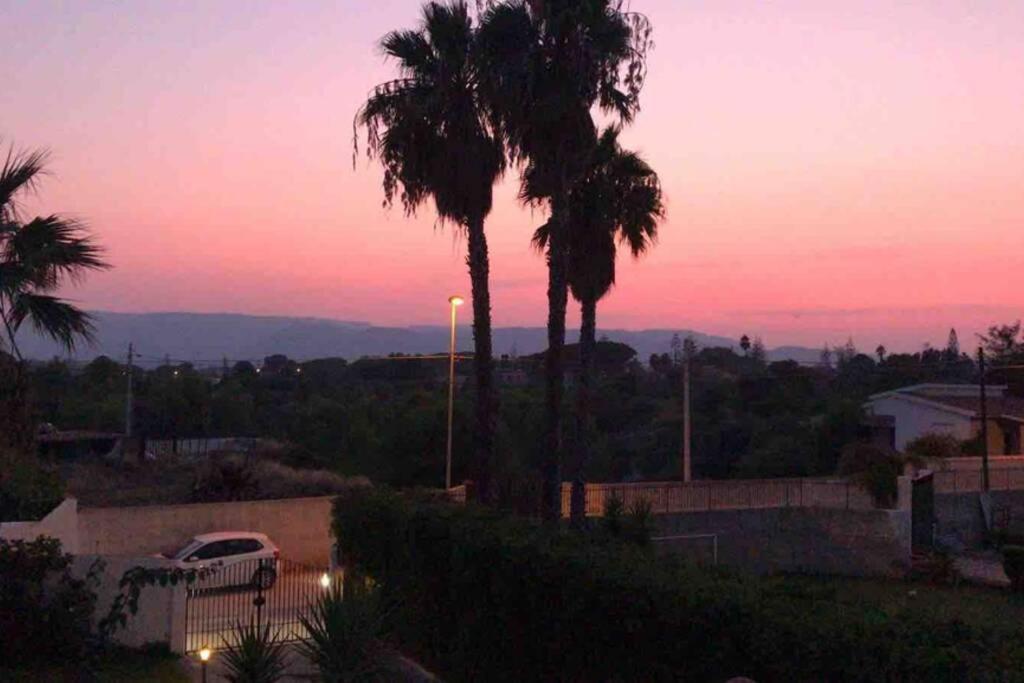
(117, 666)
(972, 605)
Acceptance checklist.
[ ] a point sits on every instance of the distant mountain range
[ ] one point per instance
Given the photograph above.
(208, 338)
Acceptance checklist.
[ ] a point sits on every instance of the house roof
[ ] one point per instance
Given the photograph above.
(963, 399)
(1008, 406)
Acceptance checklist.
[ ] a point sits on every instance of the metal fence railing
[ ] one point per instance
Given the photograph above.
(703, 496)
(969, 481)
(199, 447)
(267, 592)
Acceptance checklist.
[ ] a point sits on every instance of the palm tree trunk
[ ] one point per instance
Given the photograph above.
(16, 428)
(558, 271)
(483, 361)
(581, 448)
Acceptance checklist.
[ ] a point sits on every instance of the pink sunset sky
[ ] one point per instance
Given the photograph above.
(832, 169)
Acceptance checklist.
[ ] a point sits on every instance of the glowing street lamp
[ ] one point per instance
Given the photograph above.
(455, 301)
(204, 658)
(325, 580)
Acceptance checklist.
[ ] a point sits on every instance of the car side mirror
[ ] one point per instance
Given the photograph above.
(194, 558)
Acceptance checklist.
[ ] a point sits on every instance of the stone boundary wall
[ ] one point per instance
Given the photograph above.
(301, 527)
(812, 540)
(958, 516)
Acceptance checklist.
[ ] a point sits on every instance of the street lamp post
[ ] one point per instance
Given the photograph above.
(204, 659)
(454, 301)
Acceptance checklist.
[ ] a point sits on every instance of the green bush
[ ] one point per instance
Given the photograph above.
(480, 596)
(28, 491)
(1013, 564)
(934, 446)
(876, 469)
(45, 612)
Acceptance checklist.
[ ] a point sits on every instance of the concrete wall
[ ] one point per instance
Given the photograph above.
(61, 523)
(958, 516)
(161, 614)
(847, 542)
(299, 526)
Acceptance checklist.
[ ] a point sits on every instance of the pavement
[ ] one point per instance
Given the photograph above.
(985, 568)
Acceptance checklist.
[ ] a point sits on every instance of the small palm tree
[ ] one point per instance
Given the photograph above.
(543, 65)
(618, 198)
(37, 257)
(255, 656)
(430, 133)
(344, 635)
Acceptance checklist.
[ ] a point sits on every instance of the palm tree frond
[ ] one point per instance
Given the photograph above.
(19, 174)
(50, 248)
(53, 317)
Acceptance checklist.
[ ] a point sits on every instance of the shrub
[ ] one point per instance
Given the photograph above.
(614, 511)
(247, 477)
(478, 596)
(254, 657)
(973, 446)
(45, 612)
(876, 469)
(1013, 565)
(934, 446)
(225, 479)
(639, 523)
(28, 491)
(344, 635)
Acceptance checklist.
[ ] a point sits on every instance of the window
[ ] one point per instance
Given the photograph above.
(213, 550)
(241, 546)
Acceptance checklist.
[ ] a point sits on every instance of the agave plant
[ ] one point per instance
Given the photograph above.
(344, 640)
(255, 656)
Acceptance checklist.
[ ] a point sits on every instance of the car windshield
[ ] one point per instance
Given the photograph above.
(189, 548)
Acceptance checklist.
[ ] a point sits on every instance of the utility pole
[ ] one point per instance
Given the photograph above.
(454, 302)
(128, 399)
(686, 418)
(984, 421)
(688, 349)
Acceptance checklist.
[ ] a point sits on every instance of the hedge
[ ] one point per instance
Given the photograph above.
(480, 596)
(1013, 565)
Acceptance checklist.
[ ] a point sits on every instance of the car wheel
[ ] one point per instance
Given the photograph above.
(264, 578)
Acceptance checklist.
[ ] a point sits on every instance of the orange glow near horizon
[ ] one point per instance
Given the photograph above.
(831, 169)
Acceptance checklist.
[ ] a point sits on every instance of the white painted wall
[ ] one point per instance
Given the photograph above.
(161, 614)
(915, 419)
(61, 523)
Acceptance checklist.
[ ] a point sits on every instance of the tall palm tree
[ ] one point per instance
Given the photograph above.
(618, 198)
(36, 258)
(544, 65)
(430, 133)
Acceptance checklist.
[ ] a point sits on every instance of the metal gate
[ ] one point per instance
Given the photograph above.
(922, 512)
(274, 593)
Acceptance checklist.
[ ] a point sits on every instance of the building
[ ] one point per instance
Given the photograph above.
(910, 412)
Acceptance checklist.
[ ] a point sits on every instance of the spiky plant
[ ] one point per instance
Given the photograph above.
(255, 656)
(344, 635)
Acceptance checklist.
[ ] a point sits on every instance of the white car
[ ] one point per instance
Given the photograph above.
(232, 558)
